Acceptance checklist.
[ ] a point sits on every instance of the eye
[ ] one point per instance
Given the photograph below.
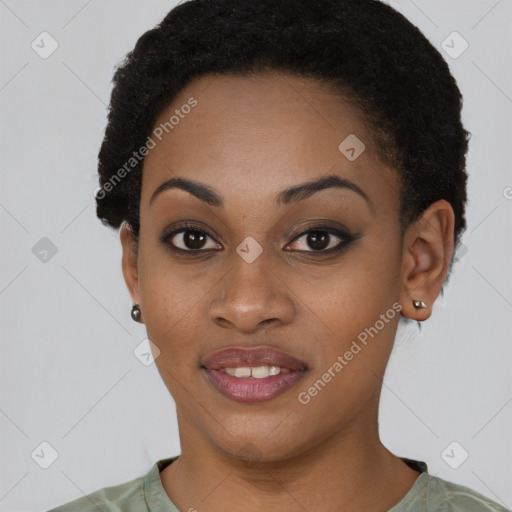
(321, 239)
(189, 238)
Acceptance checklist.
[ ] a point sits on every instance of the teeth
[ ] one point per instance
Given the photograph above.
(244, 371)
(256, 372)
(260, 372)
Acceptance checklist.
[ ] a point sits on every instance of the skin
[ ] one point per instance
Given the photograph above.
(248, 138)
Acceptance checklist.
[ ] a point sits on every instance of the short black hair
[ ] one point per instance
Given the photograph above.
(371, 53)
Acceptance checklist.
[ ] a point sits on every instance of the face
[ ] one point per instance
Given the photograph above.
(274, 312)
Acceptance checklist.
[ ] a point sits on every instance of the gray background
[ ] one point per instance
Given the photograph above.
(68, 373)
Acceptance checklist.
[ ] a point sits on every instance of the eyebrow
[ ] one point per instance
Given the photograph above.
(285, 197)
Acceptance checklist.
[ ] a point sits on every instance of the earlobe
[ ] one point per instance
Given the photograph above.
(129, 262)
(426, 253)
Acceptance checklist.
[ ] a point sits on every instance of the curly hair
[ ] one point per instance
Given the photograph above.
(372, 55)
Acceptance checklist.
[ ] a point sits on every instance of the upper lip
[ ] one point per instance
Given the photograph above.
(242, 357)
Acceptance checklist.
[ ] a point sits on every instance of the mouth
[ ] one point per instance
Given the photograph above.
(253, 375)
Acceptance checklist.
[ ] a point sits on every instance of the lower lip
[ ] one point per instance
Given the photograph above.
(251, 390)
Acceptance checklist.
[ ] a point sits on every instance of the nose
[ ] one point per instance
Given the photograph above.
(251, 297)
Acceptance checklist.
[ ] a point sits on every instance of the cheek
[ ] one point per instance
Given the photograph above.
(336, 300)
(349, 296)
(348, 373)
(354, 314)
(171, 306)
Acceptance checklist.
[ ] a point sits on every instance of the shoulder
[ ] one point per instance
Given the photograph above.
(128, 497)
(443, 496)
(137, 495)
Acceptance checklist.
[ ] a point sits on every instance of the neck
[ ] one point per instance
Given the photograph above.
(351, 471)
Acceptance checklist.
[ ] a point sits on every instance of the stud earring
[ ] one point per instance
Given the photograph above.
(419, 304)
(136, 313)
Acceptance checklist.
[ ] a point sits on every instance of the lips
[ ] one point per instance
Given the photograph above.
(261, 356)
(252, 375)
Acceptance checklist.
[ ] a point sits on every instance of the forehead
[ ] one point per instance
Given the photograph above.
(261, 133)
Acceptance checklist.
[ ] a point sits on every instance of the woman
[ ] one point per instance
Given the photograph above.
(288, 179)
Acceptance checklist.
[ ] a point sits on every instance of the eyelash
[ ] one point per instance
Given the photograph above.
(181, 228)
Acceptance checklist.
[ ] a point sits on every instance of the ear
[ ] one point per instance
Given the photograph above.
(129, 262)
(427, 249)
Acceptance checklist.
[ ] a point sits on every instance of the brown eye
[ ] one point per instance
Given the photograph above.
(190, 239)
(318, 240)
(185, 238)
(321, 240)
(193, 239)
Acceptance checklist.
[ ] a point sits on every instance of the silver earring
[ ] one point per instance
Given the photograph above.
(419, 304)
(136, 313)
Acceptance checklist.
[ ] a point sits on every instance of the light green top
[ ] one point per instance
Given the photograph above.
(147, 494)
